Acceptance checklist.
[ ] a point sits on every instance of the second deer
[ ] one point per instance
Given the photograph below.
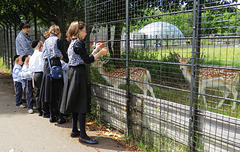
(212, 77)
(115, 77)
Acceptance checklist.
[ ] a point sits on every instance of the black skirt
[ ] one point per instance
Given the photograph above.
(51, 90)
(76, 92)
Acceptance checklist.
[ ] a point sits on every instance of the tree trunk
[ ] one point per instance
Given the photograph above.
(110, 43)
(117, 44)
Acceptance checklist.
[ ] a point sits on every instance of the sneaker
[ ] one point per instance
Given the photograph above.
(30, 111)
(22, 106)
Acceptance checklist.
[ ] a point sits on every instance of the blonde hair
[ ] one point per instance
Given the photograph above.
(72, 32)
(54, 29)
(27, 60)
(40, 44)
(17, 59)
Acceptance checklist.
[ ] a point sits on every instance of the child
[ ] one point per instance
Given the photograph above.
(17, 69)
(76, 93)
(27, 78)
(24, 83)
(36, 67)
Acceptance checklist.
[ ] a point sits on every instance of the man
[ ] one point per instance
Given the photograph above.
(23, 41)
(24, 46)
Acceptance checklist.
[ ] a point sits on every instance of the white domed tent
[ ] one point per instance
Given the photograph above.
(163, 30)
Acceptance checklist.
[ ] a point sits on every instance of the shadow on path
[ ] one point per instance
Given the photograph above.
(23, 132)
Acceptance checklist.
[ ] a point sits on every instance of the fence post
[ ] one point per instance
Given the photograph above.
(129, 126)
(11, 53)
(4, 41)
(193, 136)
(196, 121)
(7, 51)
(190, 142)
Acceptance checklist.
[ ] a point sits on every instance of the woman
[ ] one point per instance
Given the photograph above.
(51, 89)
(76, 94)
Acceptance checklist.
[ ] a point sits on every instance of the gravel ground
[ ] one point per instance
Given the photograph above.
(23, 132)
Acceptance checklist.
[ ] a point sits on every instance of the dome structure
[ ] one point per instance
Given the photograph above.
(163, 30)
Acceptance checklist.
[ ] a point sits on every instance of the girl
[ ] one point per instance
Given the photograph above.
(51, 90)
(76, 94)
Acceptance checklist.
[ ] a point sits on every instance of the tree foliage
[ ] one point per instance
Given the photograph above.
(112, 13)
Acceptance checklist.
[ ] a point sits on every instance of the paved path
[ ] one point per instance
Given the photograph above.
(23, 132)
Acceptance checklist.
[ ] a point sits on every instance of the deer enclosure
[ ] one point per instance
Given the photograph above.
(171, 78)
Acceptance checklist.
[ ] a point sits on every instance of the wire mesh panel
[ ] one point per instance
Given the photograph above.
(162, 115)
(105, 20)
(181, 61)
(217, 76)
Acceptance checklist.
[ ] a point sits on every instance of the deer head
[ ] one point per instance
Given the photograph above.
(99, 63)
(184, 61)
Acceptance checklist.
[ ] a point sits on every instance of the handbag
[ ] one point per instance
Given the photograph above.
(55, 71)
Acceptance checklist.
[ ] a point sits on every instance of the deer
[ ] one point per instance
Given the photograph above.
(211, 78)
(117, 77)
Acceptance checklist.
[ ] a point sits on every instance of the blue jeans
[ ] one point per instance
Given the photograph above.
(29, 88)
(18, 91)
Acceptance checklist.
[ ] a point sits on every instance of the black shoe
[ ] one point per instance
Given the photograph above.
(52, 119)
(90, 141)
(46, 115)
(40, 113)
(62, 120)
(75, 134)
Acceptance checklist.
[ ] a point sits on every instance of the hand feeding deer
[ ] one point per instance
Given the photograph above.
(117, 76)
(211, 77)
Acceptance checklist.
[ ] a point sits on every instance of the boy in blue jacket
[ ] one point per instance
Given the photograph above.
(16, 74)
(26, 76)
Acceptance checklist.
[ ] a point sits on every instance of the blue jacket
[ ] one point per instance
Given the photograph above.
(26, 74)
(23, 44)
(16, 73)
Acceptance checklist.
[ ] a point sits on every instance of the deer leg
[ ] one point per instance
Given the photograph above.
(116, 86)
(151, 90)
(235, 94)
(202, 91)
(226, 93)
(142, 87)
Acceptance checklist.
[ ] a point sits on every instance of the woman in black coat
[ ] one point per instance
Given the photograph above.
(76, 94)
(51, 89)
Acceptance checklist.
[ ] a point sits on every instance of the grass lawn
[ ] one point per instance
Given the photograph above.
(3, 67)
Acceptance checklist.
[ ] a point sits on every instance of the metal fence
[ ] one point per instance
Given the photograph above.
(8, 35)
(171, 78)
